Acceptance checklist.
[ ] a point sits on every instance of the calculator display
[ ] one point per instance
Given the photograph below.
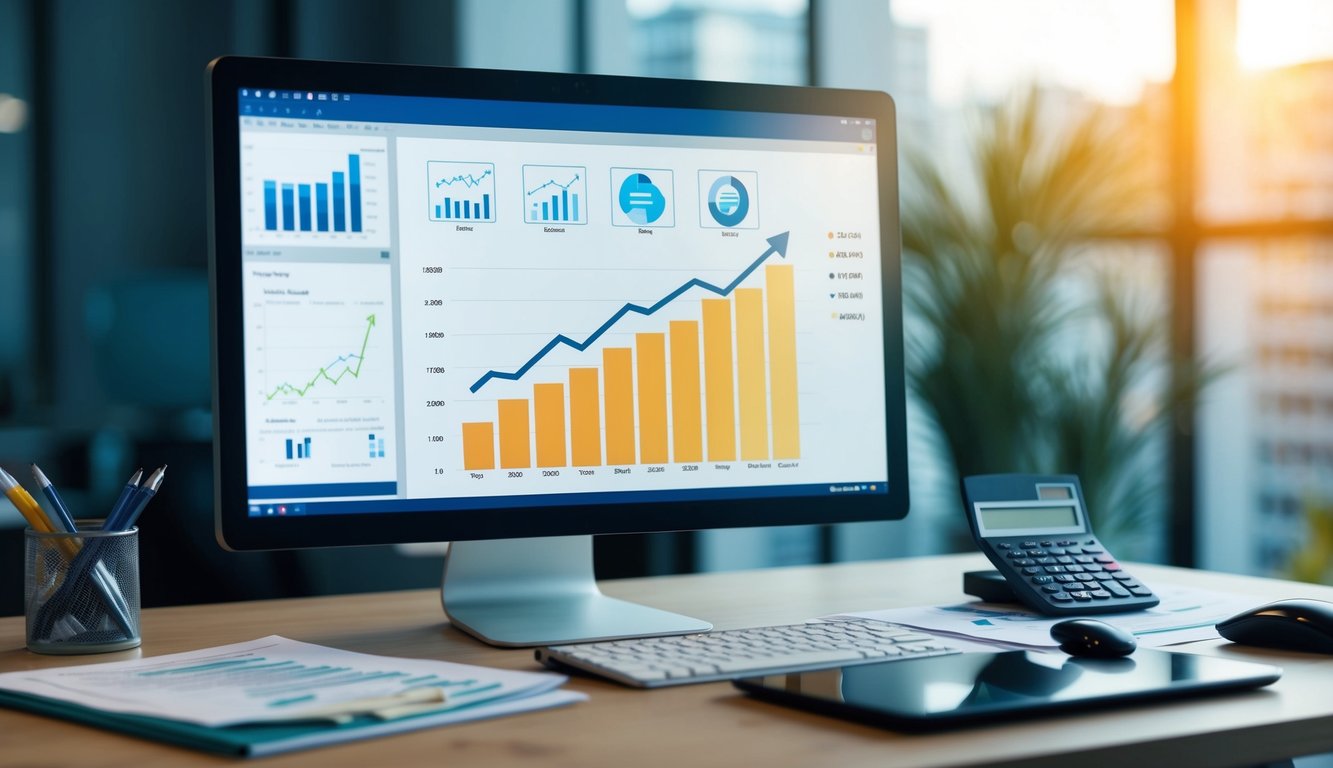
(996, 519)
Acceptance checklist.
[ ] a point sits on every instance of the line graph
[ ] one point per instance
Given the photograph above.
(555, 193)
(324, 372)
(777, 244)
(461, 191)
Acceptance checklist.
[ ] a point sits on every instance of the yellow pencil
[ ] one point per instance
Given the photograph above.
(31, 510)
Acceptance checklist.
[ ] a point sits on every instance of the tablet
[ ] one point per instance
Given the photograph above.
(947, 691)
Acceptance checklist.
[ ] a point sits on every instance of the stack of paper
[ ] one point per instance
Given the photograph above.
(274, 694)
(1184, 615)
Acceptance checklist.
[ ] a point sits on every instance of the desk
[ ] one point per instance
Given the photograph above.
(710, 724)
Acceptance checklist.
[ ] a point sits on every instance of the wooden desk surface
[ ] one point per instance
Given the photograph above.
(709, 724)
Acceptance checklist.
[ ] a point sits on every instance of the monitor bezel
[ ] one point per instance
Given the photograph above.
(237, 530)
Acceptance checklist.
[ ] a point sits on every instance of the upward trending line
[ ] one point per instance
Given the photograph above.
(776, 244)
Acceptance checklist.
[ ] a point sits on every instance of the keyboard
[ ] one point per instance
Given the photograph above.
(652, 662)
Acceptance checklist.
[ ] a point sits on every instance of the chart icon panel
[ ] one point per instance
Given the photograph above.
(644, 197)
(555, 194)
(729, 199)
(461, 191)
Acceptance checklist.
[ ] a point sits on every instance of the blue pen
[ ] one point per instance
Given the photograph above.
(146, 493)
(123, 499)
(102, 579)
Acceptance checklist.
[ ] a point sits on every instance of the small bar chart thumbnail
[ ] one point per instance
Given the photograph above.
(322, 190)
(555, 194)
(461, 191)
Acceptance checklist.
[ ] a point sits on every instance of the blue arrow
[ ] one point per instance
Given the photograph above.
(776, 244)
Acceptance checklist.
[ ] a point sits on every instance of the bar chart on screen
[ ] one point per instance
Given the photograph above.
(461, 191)
(318, 190)
(555, 194)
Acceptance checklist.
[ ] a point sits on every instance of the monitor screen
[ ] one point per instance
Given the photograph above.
(557, 309)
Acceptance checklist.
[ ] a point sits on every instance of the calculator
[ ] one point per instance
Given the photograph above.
(1035, 530)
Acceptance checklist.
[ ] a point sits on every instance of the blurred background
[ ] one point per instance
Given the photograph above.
(1118, 216)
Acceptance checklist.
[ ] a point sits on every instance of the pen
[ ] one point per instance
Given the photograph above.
(146, 493)
(63, 522)
(124, 498)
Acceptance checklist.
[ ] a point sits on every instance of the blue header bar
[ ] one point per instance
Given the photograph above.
(486, 113)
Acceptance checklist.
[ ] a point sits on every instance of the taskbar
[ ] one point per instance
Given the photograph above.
(261, 504)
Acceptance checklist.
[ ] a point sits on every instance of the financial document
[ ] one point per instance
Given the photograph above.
(1185, 615)
(276, 679)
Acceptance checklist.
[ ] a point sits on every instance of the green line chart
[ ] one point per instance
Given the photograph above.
(334, 372)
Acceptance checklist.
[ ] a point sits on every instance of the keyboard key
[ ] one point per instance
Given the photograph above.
(1060, 597)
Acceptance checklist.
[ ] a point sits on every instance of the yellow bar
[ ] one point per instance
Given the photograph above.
(619, 384)
(686, 415)
(719, 380)
(515, 437)
(652, 397)
(782, 361)
(750, 373)
(479, 445)
(585, 418)
(548, 403)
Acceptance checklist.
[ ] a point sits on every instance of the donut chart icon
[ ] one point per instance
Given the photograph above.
(728, 199)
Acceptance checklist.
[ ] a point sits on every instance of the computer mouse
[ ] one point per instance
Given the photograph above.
(1297, 625)
(1093, 639)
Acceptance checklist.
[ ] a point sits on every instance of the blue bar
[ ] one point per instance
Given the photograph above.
(458, 209)
(437, 213)
(564, 204)
(354, 180)
(323, 489)
(467, 209)
(270, 205)
(546, 211)
(486, 207)
(448, 209)
(289, 448)
(339, 215)
(381, 445)
(300, 451)
(322, 207)
(585, 117)
(288, 207)
(307, 447)
(303, 194)
(476, 210)
(574, 208)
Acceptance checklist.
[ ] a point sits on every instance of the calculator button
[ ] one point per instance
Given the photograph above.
(1059, 597)
(1053, 588)
(1032, 570)
(1035, 553)
(1065, 578)
(1056, 569)
(1104, 559)
(1092, 568)
(1055, 551)
(1093, 551)
(1140, 590)
(1064, 559)
(1090, 542)
(1115, 589)
(1102, 576)
(1046, 543)
(1045, 580)
(1024, 562)
(1029, 545)
(1074, 568)
(1065, 543)
(1084, 558)
(1100, 595)
(1004, 545)
(1014, 555)
(1080, 596)
(1085, 577)
(1119, 574)
(1045, 561)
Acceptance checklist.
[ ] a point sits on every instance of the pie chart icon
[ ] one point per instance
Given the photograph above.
(641, 200)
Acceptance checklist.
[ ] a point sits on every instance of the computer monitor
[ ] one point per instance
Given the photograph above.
(512, 310)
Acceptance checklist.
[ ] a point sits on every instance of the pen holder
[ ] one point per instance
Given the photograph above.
(81, 590)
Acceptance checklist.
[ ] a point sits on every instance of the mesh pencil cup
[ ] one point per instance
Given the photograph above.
(81, 590)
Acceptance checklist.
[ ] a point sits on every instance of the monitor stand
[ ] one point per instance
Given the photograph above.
(525, 592)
